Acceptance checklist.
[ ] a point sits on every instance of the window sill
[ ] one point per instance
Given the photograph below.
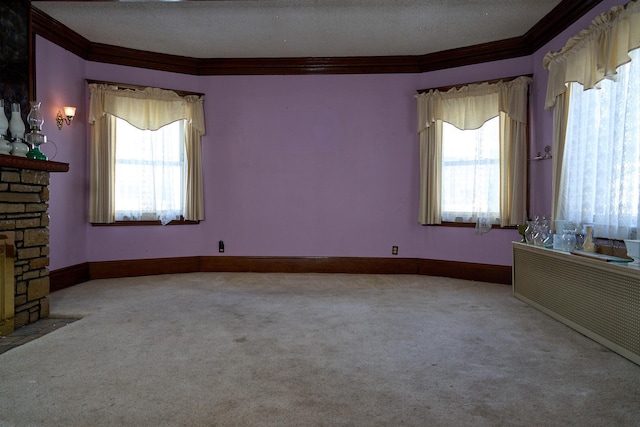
(470, 225)
(136, 223)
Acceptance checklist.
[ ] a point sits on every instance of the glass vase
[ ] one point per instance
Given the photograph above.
(16, 125)
(5, 146)
(589, 245)
(4, 123)
(35, 138)
(35, 118)
(17, 128)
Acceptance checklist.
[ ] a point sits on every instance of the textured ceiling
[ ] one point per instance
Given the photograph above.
(297, 28)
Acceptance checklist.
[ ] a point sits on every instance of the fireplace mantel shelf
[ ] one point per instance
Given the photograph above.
(40, 165)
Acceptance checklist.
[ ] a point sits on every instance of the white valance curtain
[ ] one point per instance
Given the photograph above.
(595, 52)
(148, 108)
(591, 56)
(469, 107)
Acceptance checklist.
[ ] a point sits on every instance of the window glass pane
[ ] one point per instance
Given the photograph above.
(471, 172)
(149, 172)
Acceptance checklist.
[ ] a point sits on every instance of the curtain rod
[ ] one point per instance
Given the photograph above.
(458, 86)
(132, 86)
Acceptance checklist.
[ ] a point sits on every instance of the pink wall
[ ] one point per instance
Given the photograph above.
(60, 82)
(311, 165)
(293, 165)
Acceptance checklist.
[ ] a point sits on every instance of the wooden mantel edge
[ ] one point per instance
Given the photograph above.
(39, 165)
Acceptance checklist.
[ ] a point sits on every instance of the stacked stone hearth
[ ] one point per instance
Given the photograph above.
(24, 197)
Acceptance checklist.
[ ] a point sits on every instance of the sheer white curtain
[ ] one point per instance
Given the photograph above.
(593, 90)
(469, 108)
(150, 173)
(146, 109)
(600, 179)
(470, 163)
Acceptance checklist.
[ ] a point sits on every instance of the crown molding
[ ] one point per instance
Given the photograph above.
(58, 33)
(142, 59)
(556, 21)
(559, 19)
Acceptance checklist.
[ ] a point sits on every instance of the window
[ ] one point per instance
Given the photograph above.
(471, 172)
(593, 87)
(473, 154)
(600, 178)
(150, 172)
(145, 154)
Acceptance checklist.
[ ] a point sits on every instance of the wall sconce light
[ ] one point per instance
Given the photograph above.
(69, 113)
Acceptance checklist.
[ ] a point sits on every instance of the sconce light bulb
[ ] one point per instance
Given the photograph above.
(69, 112)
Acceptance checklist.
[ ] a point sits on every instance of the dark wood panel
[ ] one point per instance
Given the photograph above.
(476, 54)
(143, 267)
(139, 58)
(280, 66)
(58, 33)
(353, 265)
(566, 13)
(68, 276)
(39, 165)
(465, 270)
(73, 275)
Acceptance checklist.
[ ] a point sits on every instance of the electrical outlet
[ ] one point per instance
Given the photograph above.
(394, 250)
(220, 246)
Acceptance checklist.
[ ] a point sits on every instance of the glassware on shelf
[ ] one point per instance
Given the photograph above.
(529, 232)
(541, 235)
(17, 128)
(16, 125)
(35, 138)
(568, 236)
(5, 145)
(589, 245)
(537, 232)
(633, 250)
(523, 229)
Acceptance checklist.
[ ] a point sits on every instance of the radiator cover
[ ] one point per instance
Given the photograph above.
(598, 299)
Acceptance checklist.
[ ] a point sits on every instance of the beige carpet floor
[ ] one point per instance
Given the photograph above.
(242, 349)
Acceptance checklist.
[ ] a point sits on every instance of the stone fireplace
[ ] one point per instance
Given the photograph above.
(24, 223)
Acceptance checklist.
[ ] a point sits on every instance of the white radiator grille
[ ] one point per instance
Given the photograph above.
(598, 299)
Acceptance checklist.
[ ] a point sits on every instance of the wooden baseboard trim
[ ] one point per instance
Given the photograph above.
(465, 270)
(68, 276)
(143, 267)
(352, 265)
(73, 275)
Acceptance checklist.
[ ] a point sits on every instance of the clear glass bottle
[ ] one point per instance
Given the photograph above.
(35, 138)
(35, 118)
